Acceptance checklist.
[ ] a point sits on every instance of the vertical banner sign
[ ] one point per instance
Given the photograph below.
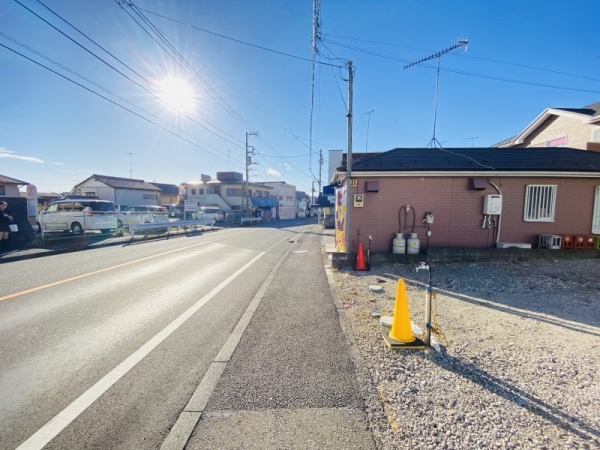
(32, 201)
(340, 218)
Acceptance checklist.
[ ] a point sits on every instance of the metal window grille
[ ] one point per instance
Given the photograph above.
(597, 135)
(540, 201)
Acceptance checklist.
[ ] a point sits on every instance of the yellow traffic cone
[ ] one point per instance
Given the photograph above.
(401, 335)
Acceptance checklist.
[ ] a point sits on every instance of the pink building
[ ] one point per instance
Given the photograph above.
(478, 197)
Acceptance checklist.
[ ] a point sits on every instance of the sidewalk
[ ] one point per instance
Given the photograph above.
(291, 381)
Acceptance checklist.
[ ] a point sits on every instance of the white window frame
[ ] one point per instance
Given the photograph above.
(596, 213)
(540, 203)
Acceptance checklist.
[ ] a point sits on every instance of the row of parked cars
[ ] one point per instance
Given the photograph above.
(80, 215)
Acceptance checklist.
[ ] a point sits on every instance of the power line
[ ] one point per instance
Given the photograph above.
(113, 102)
(112, 67)
(525, 66)
(490, 77)
(230, 38)
(207, 87)
(101, 87)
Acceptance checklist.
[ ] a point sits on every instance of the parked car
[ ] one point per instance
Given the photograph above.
(173, 211)
(142, 214)
(78, 216)
(213, 213)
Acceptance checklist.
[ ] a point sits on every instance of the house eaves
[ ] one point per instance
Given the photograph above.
(514, 162)
(8, 180)
(120, 183)
(547, 113)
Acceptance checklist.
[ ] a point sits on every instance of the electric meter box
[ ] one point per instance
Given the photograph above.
(492, 205)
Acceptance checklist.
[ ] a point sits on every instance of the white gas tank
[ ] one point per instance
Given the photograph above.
(399, 244)
(413, 244)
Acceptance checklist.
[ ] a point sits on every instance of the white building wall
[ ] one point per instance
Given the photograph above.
(11, 190)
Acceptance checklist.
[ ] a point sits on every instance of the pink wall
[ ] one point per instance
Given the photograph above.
(458, 211)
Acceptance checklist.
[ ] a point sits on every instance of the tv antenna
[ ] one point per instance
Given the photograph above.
(130, 171)
(461, 43)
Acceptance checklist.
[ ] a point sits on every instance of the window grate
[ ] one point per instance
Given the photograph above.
(540, 201)
(597, 135)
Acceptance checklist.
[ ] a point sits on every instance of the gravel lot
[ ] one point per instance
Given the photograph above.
(519, 362)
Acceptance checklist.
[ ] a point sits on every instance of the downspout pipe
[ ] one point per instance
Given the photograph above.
(499, 215)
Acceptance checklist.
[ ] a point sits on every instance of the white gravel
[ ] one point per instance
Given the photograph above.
(519, 362)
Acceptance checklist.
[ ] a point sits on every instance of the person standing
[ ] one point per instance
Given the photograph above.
(5, 220)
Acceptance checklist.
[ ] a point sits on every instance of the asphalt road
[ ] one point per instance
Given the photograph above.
(105, 348)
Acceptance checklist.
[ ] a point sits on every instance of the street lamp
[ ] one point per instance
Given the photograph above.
(368, 122)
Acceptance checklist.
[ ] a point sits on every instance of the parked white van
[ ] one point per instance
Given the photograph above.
(213, 213)
(78, 216)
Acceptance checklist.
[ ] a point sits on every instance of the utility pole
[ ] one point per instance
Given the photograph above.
(249, 153)
(438, 55)
(320, 167)
(349, 155)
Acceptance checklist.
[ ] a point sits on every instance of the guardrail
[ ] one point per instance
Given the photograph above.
(185, 224)
(250, 220)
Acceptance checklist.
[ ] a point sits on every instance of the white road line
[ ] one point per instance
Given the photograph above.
(186, 423)
(49, 431)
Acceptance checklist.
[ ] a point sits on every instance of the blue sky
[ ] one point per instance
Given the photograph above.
(55, 134)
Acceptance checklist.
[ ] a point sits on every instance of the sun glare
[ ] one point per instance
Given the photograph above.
(176, 93)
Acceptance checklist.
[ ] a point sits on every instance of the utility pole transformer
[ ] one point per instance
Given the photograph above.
(249, 153)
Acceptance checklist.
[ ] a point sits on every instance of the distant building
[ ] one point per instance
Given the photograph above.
(226, 192)
(286, 199)
(121, 191)
(169, 193)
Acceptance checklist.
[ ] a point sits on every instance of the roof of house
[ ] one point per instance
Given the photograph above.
(8, 180)
(167, 189)
(122, 183)
(591, 115)
(547, 159)
(592, 110)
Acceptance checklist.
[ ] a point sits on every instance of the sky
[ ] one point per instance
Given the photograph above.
(165, 91)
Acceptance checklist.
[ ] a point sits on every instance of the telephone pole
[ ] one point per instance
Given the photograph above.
(249, 153)
(349, 156)
(320, 167)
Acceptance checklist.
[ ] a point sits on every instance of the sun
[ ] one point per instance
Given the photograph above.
(177, 94)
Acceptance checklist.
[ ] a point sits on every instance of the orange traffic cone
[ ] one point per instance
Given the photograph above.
(360, 259)
(401, 335)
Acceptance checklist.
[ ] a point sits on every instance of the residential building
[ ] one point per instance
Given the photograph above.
(561, 127)
(169, 193)
(121, 191)
(286, 199)
(9, 187)
(469, 197)
(302, 204)
(226, 191)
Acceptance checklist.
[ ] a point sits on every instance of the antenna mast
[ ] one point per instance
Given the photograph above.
(130, 171)
(438, 55)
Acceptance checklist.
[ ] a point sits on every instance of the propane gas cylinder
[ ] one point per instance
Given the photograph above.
(413, 244)
(399, 244)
